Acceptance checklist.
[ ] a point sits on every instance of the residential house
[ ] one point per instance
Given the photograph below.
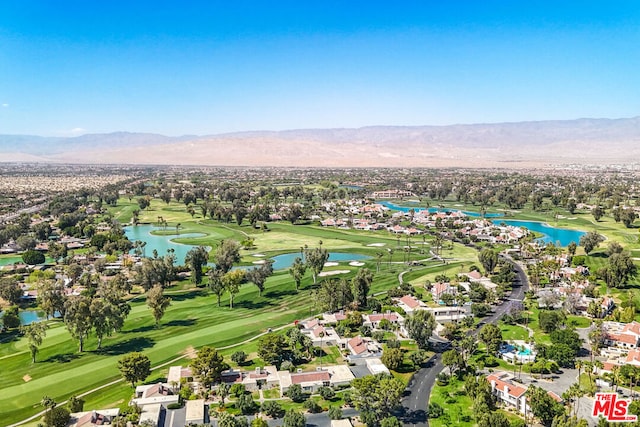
(391, 194)
(329, 376)
(333, 318)
(508, 392)
(440, 288)
(153, 394)
(373, 320)
(195, 412)
(93, 418)
(410, 304)
(253, 380)
(322, 335)
(363, 347)
(622, 335)
(446, 314)
(177, 375)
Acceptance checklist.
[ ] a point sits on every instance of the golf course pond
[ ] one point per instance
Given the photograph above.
(160, 243)
(163, 243)
(550, 234)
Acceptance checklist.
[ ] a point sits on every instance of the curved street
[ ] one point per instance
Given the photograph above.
(419, 390)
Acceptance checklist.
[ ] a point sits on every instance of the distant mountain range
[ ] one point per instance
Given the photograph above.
(509, 145)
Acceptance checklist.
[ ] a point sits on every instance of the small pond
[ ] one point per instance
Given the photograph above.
(30, 316)
(160, 243)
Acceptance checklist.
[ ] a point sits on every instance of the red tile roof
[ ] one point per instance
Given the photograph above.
(410, 301)
(633, 327)
(515, 390)
(392, 317)
(633, 356)
(357, 345)
(307, 377)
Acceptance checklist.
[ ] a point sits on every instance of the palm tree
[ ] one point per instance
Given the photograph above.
(588, 367)
(379, 256)
(615, 376)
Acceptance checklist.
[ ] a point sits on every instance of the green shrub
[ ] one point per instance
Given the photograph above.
(312, 406)
(434, 410)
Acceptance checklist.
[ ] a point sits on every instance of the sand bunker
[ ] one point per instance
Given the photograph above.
(260, 261)
(26, 378)
(333, 273)
(258, 255)
(356, 263)
(376, 244)
(330, 264)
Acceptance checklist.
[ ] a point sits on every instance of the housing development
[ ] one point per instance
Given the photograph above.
(174, 297)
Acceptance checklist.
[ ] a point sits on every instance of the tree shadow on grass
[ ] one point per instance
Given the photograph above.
(10, 336)
(142, 329)
(63, 358)
(253, 305)
(187, 295)
(279, 293)
(134, 344)
(181, 322)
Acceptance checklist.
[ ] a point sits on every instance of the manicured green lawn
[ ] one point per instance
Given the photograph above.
(514, 332)
(458, 407)
(193, 320)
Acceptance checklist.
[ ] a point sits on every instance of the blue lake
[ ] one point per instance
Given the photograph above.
(286, 260)
(159, 243)
(434, 210)
(30, 316)
(549, 234)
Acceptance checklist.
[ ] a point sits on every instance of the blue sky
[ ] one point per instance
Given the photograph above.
(202, 67)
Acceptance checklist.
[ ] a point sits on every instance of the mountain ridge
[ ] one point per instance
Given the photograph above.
(525, 144)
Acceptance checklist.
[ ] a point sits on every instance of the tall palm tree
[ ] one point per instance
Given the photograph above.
(615, 376)
(379, 256)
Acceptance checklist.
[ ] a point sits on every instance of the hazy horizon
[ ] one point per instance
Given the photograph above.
(207, 68)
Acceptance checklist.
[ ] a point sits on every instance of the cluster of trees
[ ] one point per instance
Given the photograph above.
(336, 294)
(291, 348)
(566, 344)
(156, 270)
(222, 278)
(376, 396)
(104, 312)
(59, 416)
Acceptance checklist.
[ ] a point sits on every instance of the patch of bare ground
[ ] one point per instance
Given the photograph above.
(190, 352)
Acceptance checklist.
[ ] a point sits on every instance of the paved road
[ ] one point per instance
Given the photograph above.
(417, 395)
